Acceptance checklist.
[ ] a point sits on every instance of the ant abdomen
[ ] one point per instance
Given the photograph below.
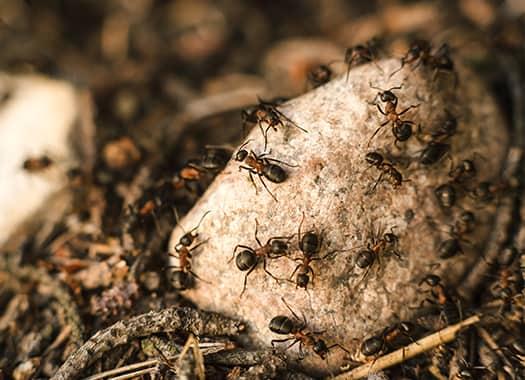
(281, 324)
(274, 173)
(245, 260)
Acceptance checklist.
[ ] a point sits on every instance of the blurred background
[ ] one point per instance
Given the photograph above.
(163, 79)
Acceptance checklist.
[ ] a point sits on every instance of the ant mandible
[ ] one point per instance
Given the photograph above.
(262, 166)
(401, 129)
(248, 258)
(297, 331)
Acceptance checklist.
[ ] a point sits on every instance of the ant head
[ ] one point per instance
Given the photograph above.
(187, 239)
(390, 238)
(302, 280)
(374, 158)
(241, 155)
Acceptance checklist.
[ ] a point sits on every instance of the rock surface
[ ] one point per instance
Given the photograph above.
(37, 118)
(330, 186)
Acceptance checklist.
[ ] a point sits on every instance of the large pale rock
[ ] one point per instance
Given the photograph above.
(37, 118)
(329, 186)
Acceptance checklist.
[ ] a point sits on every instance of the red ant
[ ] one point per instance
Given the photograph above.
(401, 129)
(248, 258)
(367, 256)
(387, 169)
(297, 329)
(319, 75)
(361, 54)
(261, 166)
(449, 305)
(420, 52)
(183, 253)
(267, 112)
(310, 244)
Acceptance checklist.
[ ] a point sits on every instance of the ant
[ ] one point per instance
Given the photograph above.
(449, 305)
(297, 328)
(463, 225)
(387, 169)
(267, 112)
(261, 166)
(248, 258)
(446, 193)
(401, 129)
(319, 75)
(420, 52)
(37, 164)
(183, 253)
(447, 128)
(390, 338)
(361, 54)
(310, 244)
(486, 191)
(213, 160)
(433, 152)
(508, 282)
(367, 256)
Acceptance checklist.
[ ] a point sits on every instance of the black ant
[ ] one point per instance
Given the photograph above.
(446, 193)
(297, 328)
(267, 112)
(37, 164)
(261, 166)
(486, 191)
(361, 54)
(183, 253)
(433, 152)
(447, 303)
(508, 283)
(367, 256)
(391, 337)
(462, 226)
(248, 258)
(388, 171)
(420, 52)
(401, 129)
(319, 75)
(310, 244)
(213, 160)
(446, 128)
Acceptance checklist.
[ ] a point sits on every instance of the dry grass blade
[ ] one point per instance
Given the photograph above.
(443, 336)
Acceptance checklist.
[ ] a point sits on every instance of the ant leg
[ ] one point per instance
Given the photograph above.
(256, 231)
(376, 131)
(199, 278)
(338, 345)
(246, 280)
(289, 120)
(268, 272)
(301, 351)
(292, 344)
(373, 189)
(253, 182)
(281, 162)
(266, 187)
(313, 274)
(293, 312)
(407, 109)
(299, 229)
(198, 245)
(398, 70)
(380, 109)
(237, 247)
(280, 341)
(295, 270)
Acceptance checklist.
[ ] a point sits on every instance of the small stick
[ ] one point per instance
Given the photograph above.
(424, 344)
(167, 320)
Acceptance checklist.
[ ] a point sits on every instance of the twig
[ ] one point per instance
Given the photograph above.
(167, 320)
(443, 336)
